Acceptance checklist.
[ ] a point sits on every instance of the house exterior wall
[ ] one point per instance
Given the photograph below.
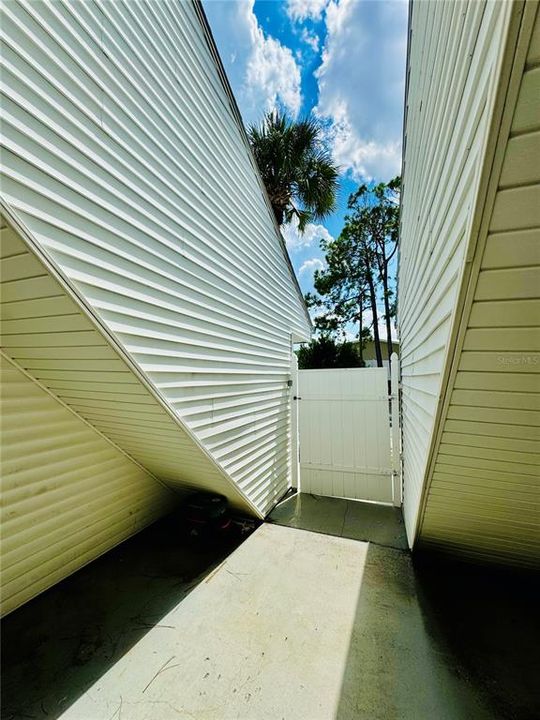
(68, 495)
(370, 355)
(45, 331)
(455, 51)
(483, 498)
(124, 159)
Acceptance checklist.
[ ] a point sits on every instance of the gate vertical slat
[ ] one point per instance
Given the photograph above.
(345, 445)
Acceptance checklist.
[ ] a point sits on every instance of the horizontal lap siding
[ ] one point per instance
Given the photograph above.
(484, 497)
(124, 159)
(453, 52)
(47, 334)
(68, 495)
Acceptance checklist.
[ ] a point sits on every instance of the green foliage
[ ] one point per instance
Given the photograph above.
(375, 215)
(325, 352)
(357, 265)
(297, 169)
(342, 289)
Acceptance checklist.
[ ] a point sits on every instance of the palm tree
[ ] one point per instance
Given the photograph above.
(300, 177)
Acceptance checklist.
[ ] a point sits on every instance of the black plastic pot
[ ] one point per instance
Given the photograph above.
(206, 516)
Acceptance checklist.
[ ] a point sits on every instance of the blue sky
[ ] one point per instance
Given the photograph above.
(342, 61)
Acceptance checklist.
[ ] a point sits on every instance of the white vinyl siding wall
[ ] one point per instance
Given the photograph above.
(484, 495)
(123, 157)
(454, 52)
(68, 495)
(48, 335)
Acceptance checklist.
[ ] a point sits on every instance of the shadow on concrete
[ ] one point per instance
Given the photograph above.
(488, 618)
(369, 522)
(441, 641)
(431, 639)
(422, 641)
(56, 646)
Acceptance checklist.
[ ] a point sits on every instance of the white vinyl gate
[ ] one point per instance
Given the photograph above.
(346, 434)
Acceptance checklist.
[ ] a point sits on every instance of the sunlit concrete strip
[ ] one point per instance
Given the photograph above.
(296, 625)
(265, 636)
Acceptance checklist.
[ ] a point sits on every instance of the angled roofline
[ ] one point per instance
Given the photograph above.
(238, 117)
(403, 143)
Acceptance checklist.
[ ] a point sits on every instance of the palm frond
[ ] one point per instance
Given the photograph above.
(298, 171)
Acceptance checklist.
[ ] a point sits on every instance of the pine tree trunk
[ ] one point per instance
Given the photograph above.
(373, 300)
(360, 332)
(387, 316)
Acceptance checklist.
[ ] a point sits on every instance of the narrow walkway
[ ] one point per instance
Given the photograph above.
(292, 625)
(379, 524)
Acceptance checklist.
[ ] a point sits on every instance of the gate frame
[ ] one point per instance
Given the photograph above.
(397, 491)
(295, 429)
(395, 429)
(393, 432)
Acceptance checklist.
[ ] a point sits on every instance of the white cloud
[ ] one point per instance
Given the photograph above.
(272, 75)
(312, 235)
(308, 267)
(364, 158)
(299, 10)
(311, 39)
(361, 85)
(263, 72)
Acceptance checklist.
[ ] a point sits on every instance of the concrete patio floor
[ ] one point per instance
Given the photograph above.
(291, 624)
(378, 524)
